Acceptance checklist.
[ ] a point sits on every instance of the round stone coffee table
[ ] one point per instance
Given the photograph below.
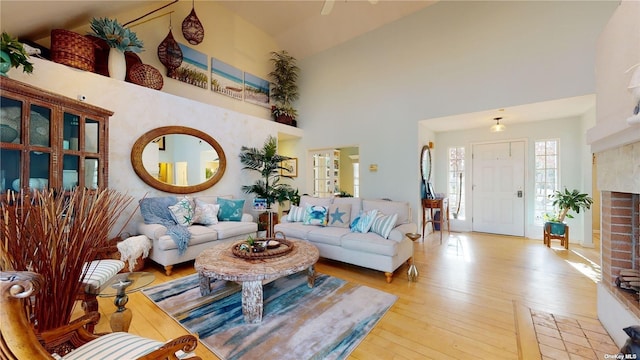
(219, 263)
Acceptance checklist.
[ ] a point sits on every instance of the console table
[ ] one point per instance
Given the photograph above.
(432, 204)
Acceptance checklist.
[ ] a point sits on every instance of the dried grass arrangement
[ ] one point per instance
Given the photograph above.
(55, 235)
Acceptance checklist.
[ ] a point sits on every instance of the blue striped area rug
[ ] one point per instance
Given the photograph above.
(324, 322)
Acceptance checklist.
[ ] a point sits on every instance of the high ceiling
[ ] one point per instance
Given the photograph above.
(296, 25)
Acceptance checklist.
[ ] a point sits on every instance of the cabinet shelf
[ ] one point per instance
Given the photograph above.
(50, 141)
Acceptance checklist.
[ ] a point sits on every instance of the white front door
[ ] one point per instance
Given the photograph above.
(498, 188)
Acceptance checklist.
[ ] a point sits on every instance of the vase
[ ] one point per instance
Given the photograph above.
(117, 64)
(5, 63)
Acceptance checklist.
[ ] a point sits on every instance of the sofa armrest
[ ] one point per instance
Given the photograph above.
(247, 218)
(397, 234)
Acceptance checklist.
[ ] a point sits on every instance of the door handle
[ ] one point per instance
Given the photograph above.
(519, 193)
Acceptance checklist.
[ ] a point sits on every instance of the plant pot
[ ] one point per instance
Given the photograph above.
(285, 119)
(5, 63)
(556, 228)
(117, 64)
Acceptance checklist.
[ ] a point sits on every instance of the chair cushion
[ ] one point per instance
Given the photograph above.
(116, 346)
(99, 272)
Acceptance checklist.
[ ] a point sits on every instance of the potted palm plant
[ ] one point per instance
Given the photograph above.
(284, 91)
(268, 164)
(13, 54)
(566, 201)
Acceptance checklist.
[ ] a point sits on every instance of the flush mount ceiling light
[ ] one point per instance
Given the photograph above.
(497, 127)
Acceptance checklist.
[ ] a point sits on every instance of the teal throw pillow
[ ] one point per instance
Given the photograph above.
(364, 221)
(230, 209)
(315, 215)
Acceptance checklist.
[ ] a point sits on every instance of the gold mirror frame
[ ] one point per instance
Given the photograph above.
(144, 140)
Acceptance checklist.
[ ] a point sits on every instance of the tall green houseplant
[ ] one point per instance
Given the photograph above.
(566, 201)
(284, 91)
(268, 163)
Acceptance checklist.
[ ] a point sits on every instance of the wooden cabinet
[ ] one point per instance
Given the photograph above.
(50, 141)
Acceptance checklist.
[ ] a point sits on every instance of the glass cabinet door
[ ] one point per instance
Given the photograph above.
(70, 132)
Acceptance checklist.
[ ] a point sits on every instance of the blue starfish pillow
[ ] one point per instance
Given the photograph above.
(339, 215)
(315, 215)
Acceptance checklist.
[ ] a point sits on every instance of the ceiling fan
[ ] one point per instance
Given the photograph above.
(328, 6)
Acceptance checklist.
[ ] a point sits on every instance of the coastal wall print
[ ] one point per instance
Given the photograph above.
(194, 69)
(226, 79)
(256, 90)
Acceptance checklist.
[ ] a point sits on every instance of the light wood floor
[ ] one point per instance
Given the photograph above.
(461, 307)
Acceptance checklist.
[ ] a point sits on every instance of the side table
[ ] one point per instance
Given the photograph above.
(431, 204)
(119, 286)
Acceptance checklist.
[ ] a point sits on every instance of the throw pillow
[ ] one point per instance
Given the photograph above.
(315, 215)
(206, 214)
(296, 214)
(339, 215)
(363, 222)
(183, 212)
(230, 209)
(383, 224)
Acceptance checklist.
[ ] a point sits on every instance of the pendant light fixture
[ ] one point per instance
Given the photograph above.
(169, 51)
(192, 28)
(497, 127)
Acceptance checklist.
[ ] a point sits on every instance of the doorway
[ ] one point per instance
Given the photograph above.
(498, 174)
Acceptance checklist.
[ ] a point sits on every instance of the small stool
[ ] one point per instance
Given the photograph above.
(98, 272)
(412, 273)
(548, 236)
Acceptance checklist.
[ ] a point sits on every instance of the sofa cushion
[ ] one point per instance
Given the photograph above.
(183, 211)
(364, 221)
(383, 224)
(355, 202)
(327, 235)
(230, 209)
(315, 215)
(369, 243)
(310, 200)
(206, 213)
(339, 215)
(199, 234)
(229, 229)
(294, 230)
(402, 208)
(296, 214)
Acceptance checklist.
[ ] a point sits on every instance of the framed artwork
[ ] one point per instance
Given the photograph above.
(256, 90)
(226, 79)
(160, 142)
(193, 69)
(290, 167)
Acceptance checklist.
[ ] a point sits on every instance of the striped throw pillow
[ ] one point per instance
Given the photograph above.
(383, 224)
(296, 214)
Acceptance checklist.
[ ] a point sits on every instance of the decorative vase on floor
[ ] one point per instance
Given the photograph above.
(5, 63)
(117, 64)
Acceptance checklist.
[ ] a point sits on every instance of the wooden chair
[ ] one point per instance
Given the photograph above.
(18, 339)
(548, 236)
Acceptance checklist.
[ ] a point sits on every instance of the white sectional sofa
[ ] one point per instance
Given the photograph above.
(337, 241)
(165, 250)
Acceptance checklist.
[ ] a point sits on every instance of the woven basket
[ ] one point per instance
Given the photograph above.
(72, 49)
(146, 75)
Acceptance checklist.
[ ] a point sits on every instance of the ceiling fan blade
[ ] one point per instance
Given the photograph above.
(326, 8)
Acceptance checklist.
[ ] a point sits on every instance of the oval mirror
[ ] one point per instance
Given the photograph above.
(425, 163)
(178, 159)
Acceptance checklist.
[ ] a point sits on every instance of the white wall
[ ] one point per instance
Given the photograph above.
(451, 58)
(138, 109)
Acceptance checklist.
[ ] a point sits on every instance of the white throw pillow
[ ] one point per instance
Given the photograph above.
(183, 212)
(206, 214)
